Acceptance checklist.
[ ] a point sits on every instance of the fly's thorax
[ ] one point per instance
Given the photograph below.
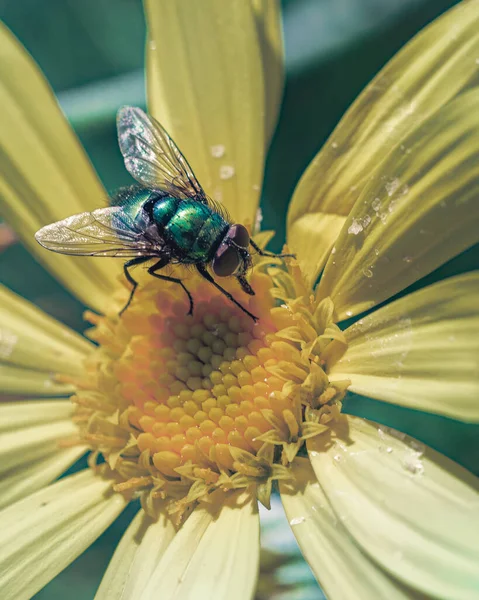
(195, 231)
(136, 200)
(163, 210)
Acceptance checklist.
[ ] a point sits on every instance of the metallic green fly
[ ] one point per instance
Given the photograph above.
(167, 218)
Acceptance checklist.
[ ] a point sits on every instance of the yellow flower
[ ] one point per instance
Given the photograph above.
(198, 415)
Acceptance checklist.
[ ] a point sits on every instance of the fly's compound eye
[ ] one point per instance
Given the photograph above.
(226, 261)
(239, 235)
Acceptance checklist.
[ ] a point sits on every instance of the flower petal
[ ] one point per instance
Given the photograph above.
(436, 66)
(418, 211)
(45, 175)
(205, 85)
(17, 381)
(18, 415)
(45, 532)
(421, 351)
(30, 338)
(342, 569)
(412, 510)
(270, 34)
(136, 556)
(215, 555)
(25, 445)
(35, 474)
(31, 434)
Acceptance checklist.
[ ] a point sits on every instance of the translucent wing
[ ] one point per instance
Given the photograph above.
(153, 158)
(103, 232)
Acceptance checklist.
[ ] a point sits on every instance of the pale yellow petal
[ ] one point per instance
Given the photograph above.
(342, 569)
(29, 338)
(18, 381)
(44, 173)
(31, 435)
(32, 475)
(17, 415)
(419, 210)
(438, 65)
(270, 34)
(214, 555)
(136, 557)
(311, 238)
(205, 85)
(29, 443)
(46, 531)
(412, 510)
(421, 351)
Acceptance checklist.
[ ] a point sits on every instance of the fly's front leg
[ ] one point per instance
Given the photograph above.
(270, 254)
(132, 263)
(245, 285)
(159, 265)
(204, 273)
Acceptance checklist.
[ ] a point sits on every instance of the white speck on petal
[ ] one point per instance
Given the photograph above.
(297, 521)
(334, 144)
(8, 341)
(217, 151)
(355, 227)
(226, 172)
(413, 464)
(258, 220)
(408, 259)
(367, 272)
(365, 221)
(392, 186)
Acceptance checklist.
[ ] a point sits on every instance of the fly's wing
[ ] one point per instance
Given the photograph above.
(103, 232)
(153, 158)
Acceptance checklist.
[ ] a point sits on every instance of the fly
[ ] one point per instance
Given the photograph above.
(168, 217)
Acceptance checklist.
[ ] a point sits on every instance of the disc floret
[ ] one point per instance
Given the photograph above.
(181, 406)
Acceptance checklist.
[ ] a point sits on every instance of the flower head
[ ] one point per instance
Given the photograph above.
(200, 414)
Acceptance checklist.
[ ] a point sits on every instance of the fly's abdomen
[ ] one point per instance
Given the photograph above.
(195, 229)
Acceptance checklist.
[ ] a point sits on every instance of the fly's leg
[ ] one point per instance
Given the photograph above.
(159, 265)
(132, 263)
(271, 254)
(204, 273)
(245, 285)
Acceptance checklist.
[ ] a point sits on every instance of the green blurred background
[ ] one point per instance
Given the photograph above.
(92, 52)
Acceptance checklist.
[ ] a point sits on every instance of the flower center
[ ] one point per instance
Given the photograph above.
(197, 385)
(182, 405)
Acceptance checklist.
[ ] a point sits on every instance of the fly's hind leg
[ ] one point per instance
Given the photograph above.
(132, 263)
(271, 254)
(159, 265)
(204, 273)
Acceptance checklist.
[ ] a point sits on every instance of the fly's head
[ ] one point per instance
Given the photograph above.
(233, 257)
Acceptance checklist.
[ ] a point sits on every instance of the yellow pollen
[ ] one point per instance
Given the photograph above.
(183, 405)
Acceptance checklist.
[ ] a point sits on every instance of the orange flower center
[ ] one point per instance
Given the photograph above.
(182, 405)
